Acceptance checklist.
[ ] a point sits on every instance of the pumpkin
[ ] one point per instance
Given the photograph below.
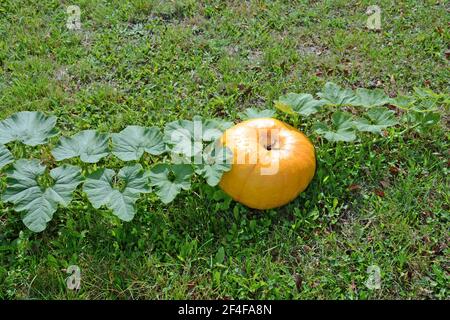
(272, 163)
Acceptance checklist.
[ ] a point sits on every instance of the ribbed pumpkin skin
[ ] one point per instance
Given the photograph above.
(262, 178)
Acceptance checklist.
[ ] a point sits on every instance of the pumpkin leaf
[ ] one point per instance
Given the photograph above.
(30, 128)
(336, 96)
(25, 192)
(379, 118)
(303, 104)
(283, 107)
(67, 178)
(169, 180)
(428, 94)
(184, 137)
(212, 129)
(370, 98)
(404, 102)
(424, 119)
(131, 143)
(341, 129)
(5, 156)
(216, 161)
(89, 145)
(251, 113)
(101, 191)
(427, 105)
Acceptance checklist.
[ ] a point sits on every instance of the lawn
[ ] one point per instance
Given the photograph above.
(380, 201)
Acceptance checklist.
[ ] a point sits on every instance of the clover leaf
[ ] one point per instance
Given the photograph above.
(131, 143)
(39, 203)
(252, 113)
(341, 129)
(5, 156)
(379, 118)
(90, 145)
(30, 128)
(336, 96)
(102, 191)
(303, 104)
(169, 180)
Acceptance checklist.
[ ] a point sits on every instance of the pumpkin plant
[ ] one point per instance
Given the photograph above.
(196, 142)
(30, 128)
(213, 150)
(5, 156)
(101, 189)
(131, 143)
(169, 180)
(38, 200)
(420, 110)
(90, 145)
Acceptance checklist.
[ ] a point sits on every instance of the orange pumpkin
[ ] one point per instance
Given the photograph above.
(272, 163)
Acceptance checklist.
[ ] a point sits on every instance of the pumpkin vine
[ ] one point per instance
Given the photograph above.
(181, 151)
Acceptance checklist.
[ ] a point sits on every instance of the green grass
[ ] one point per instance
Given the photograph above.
(151, 62)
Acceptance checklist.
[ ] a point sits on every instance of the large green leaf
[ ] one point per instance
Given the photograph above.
(426, 105)
(428, 94)
(302, 103)
(169, 180)
(252, 113)
(5, 156)
(212, 129)
(341, 129)
(186, 137)
(131, 143)
(403, 102)
(379, 118)
(336, 96)
(370, 98)
(25, 192)
(67, 178)
(101, 190)
(30, 128)
(423, 119)
(216, 161)
(89, 145)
